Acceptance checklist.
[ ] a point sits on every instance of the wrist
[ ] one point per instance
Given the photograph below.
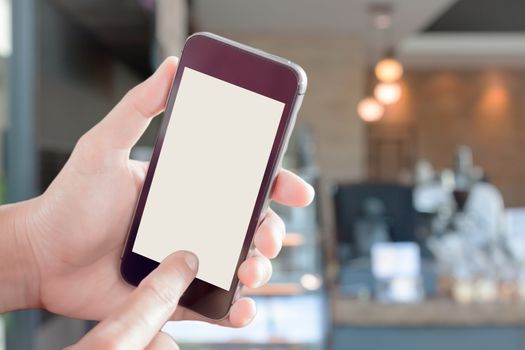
(19, 274)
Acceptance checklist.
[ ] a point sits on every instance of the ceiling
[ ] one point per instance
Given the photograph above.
(481, 16)
(308, 16)
(471, 34)
(425, 33)
(124, 27)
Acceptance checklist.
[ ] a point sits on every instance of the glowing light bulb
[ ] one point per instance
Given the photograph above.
(370, 110)
(311, 282)
(387, 93)
(388, 70)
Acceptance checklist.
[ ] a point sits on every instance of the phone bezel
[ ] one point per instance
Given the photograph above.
(248, 68)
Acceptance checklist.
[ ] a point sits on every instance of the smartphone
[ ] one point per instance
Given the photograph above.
(228, 118)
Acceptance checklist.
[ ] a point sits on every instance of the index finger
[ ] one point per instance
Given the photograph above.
(149, 306)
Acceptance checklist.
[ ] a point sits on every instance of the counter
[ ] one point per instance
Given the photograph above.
(434, 324)
(431, 312)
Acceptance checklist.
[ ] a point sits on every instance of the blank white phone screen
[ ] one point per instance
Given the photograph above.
(208, 175)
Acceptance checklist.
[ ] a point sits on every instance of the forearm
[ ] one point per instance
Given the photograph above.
(19, 277)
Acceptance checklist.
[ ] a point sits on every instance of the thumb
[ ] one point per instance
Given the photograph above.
(128, 120)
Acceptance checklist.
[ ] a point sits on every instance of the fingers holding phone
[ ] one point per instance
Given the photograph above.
(137, 324)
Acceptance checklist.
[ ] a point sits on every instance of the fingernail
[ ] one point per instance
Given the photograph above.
(191, 260)
(311, 190)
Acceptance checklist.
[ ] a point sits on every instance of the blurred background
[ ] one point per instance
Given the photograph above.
(411, 131)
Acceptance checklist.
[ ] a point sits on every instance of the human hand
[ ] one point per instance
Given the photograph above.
(78, 227)
(136, 323)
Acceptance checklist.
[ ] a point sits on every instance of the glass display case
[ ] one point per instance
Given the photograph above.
(291, 308)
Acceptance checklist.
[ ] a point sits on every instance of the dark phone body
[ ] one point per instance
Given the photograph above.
(251, 69)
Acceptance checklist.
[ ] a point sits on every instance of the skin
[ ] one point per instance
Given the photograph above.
(61, 250)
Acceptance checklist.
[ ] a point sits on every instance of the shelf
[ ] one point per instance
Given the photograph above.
(431, 312)
(293, 239)
(274, 289)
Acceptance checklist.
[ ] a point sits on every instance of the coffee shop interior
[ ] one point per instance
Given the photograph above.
(410, 132)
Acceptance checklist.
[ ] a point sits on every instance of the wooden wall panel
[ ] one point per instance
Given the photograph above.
(482, 109)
